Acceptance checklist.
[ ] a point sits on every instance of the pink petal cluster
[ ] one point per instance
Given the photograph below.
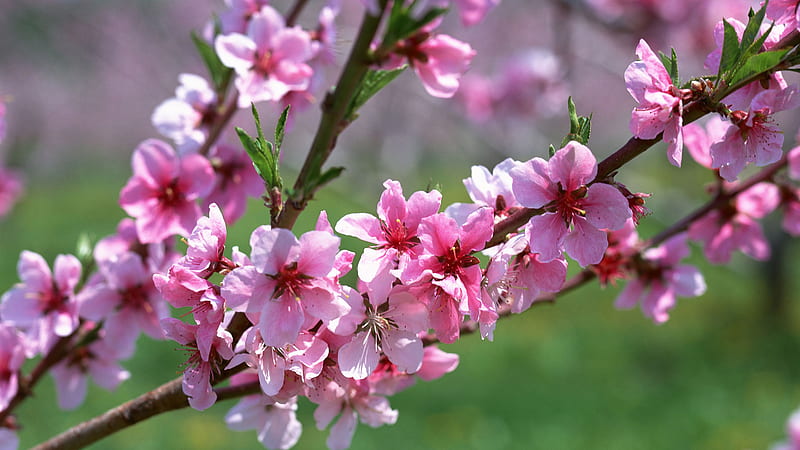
(122, 295)
(660, 107)
(161, 195)
(235, 181)
(492, 190)
(286, 282)
(576, 212)
(752, 137)
(438, 60)
(270, 60)
(736, 226)
(393, 233)
(99, 360)
(660, 278)
(185, 117)
(44, 303)
(389, 326)
(200, 365)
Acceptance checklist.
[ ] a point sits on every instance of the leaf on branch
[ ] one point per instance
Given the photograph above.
(280, 130)
(580, 127)
(671, 64)
(754, 21)
(373, 82)
(730, 49)
(263, 154)
(219, 72)
(326, 177)
(761, 62)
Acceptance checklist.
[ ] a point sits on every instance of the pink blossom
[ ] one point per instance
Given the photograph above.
(698, 139)
(98, 360)
(752, 137)
(386, 379)
(157, 256)
(270, 60)
(276, 422)
(44, 300)
(294, 289)
(350, 400)
(238, 14)
(446, 262)
(528, 276)
(11, 188)
(198, 373)
(304, 357)
(123, 295)
(661, 278)
(660, 102)
(206, 244)
(784, 12)
(575, 214)
(185, 117)
(389, 326)
(445, 60)
(235, 181)
(735, 226)
(487, 189)
(12, 355)
(393, 233)
(162, 192)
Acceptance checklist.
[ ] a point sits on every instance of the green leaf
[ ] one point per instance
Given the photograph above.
(218, 71)
(373, 81)
(327, 176)
(753, 26)
(730, 50)
(671, 64)
(280, 130)
(260, 162)
(580, 127)
(263, 154)
(761, 62)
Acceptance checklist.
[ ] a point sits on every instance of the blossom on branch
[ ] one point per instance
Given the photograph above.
(660, 107)
(575, 213)
(270, 60)
(161, 193)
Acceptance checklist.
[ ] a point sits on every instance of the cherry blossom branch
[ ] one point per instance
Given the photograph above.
(167, 397)
(334, 108)
(720, 200)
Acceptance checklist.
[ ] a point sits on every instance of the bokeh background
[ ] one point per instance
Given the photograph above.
(81, 78)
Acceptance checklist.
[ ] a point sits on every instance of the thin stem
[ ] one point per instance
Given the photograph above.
(331, 123)
(220, 124)
(294, 13)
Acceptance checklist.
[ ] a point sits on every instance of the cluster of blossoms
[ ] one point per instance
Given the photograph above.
(281, 319)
